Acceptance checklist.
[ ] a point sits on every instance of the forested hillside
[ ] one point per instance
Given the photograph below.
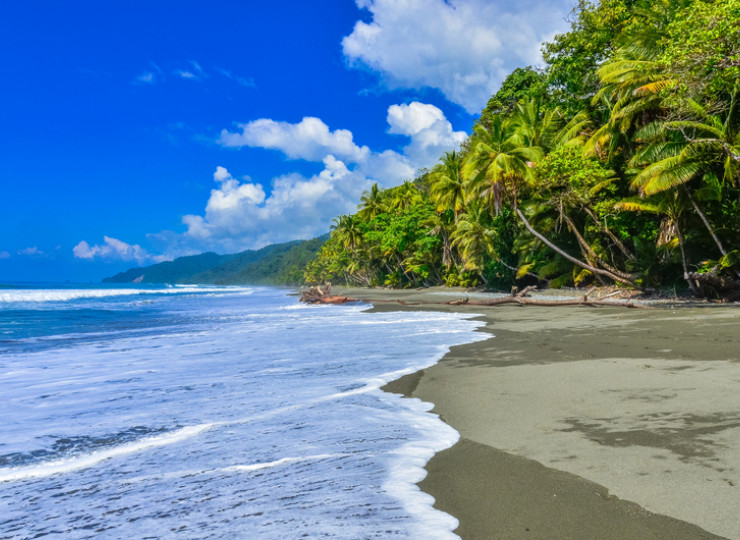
(615, 164)
(276, 264)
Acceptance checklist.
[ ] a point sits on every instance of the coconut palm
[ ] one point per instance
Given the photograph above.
(474, 238)
(500, 160)
(447, 185)
(671, 207)
(371, 202)
(346, 229)
(692, 154)
(632, 81)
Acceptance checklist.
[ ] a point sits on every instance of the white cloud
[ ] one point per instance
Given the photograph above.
(241, 214)
(310, 139)
(412, 118)
(430, 132)
(297, 207)
(464, 48)
(30, 251)
(430, 135)
(114, 249)
(4, 255)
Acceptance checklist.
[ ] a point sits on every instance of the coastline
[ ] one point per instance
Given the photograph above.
(585, 422)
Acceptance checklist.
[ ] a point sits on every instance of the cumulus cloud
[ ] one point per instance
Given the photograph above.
(464, 48)
(310, 139)
(430, 132)
(426, 126)
(242, 214)
(114, 249)
(238, 215)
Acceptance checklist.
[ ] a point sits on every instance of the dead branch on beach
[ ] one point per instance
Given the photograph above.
(520, 298)
(321, 294)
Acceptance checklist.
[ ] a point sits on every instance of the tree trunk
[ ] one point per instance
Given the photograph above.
(686, 276)
(572, 259)
(611, 235)
(706, 224)
(593, 255)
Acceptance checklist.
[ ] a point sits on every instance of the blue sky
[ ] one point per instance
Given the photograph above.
(138, 131)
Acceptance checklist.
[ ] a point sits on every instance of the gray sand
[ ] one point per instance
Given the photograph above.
(587, 422)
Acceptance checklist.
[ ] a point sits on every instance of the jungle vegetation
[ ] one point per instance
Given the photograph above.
(616, 164)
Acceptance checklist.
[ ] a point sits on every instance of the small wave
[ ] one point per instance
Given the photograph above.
(283, 461)
(63, 295)
(85, 461)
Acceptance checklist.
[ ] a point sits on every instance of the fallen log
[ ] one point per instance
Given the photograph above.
(520, 298)
(321, 294)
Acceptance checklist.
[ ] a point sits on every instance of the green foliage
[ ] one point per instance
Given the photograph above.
(276, 264)
(177, 271)
(522, 84)
(572, 58)
(619, 163)
(278, 268)
(702, 47)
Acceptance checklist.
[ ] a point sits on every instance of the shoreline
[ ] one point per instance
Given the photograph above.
(607, 423)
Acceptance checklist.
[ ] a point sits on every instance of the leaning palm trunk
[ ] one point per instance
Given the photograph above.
(709, 227)
(572, 259)
(593, 255)
(617, 242)
(704, 220)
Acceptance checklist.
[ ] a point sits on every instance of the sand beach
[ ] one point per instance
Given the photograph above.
(585, 423)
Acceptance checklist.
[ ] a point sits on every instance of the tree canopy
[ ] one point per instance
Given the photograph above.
(618, 163)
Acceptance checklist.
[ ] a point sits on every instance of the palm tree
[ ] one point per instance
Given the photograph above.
(404, 196)
(499, 161)
(371, 202)
(702, 148)
(631, 83)
(671, 207)
(346, 229)
(447, 184)
(537, 127)
(474, 238)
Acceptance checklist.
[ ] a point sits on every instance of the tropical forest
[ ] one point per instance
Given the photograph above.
(616, 164)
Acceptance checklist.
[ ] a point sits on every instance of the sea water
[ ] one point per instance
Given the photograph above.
(209, 412)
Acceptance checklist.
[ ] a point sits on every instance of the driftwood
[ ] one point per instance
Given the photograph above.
(321, 294)
(520, 298)
(713, 284)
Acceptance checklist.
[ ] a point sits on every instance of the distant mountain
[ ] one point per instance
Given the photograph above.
(279, 267)
(177, 271)
(276, 264)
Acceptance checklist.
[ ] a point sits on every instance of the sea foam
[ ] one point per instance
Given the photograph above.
(64, 295)
(228, 414)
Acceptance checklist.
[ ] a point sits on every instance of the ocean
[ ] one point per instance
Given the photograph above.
(214, 412)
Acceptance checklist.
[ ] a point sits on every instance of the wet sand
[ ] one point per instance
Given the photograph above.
(586, 423)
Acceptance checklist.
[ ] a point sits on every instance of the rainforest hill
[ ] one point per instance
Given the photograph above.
(277, 264)
(616, 163)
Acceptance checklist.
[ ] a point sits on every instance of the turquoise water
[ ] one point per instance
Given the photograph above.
(208, 412)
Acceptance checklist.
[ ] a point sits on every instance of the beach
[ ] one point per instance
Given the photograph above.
(580, 422)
